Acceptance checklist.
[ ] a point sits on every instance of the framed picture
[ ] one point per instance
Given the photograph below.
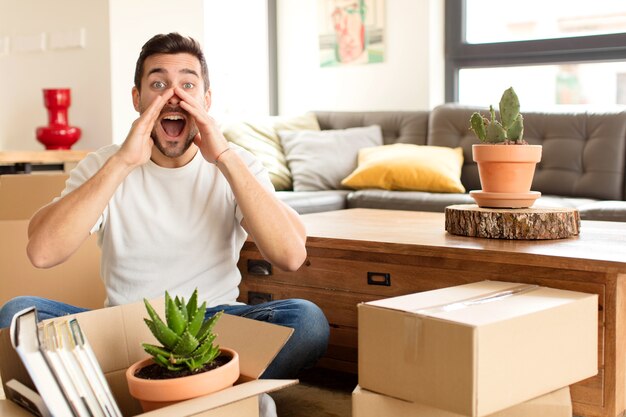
(351, 32)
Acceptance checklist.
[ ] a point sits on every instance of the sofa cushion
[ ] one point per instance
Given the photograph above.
(406, 200)
(408, 167)
(261, 138)
(319, 160)
(314, 201)
(397, 126)
(589, 209)
(547, 200)
(583, 153)
(612, 211)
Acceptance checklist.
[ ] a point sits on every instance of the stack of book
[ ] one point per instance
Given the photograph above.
(63, 368)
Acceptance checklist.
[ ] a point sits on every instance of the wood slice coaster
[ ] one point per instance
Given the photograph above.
(527, 223)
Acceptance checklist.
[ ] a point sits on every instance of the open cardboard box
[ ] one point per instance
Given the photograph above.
(478, 348)
(116, 334)
(76, 281)
(369, 404)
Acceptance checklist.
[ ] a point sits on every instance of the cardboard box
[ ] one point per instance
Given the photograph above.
(76, 281)
(116, 334)
(479, 348)
(369, 404)
(10, 409)
(21, 195)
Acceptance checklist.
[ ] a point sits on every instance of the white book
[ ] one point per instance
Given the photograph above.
(92, 369)
(63, 367)
(50, 347)
(25, 340)
(75, 370)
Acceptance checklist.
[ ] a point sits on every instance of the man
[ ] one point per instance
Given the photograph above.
(173, 205)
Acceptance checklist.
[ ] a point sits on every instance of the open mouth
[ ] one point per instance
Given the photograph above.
(173, 125)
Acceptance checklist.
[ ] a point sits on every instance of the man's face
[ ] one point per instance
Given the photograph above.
(174, 129)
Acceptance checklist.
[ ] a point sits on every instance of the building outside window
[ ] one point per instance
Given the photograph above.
(557, 52)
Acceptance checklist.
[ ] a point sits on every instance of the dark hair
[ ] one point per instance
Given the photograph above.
(172, 43)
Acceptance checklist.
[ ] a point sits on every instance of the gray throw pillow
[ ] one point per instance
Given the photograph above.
(319, 160)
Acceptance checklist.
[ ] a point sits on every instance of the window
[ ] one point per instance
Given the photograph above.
(239, 45)
(569, 53)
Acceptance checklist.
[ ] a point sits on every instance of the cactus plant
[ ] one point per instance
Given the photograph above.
(186, 335)
(510, 128)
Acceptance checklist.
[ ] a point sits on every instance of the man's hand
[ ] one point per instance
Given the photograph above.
(137, 147)
(210, 140)
(58, 229)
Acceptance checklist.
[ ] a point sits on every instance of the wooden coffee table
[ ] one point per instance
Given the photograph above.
(360, 255)
(24, 162)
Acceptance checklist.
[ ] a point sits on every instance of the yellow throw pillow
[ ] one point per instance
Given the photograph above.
(408, 167)
(260, 137)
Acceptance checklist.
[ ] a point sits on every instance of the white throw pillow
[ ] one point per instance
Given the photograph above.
(260, 137)
(319, 160)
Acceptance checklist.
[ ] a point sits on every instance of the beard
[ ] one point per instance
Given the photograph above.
(174, 149)
(170, 149)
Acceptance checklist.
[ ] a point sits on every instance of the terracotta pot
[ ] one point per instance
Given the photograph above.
(506, 169)
(158, 393)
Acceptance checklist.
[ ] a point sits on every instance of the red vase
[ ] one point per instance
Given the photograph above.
(58, 134)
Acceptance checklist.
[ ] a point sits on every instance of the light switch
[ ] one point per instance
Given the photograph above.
(4, 45)
(29, 43)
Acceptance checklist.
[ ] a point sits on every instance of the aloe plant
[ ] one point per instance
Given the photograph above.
(509, 129)
(186, 337)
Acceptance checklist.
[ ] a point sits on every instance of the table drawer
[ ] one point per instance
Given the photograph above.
(340, 311)
(589, 391)
(338, 281)
(387, 279)
(338, 306)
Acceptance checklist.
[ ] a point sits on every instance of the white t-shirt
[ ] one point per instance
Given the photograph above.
(172, 229)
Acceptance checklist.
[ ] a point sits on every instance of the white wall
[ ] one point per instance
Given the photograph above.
(101, 74)
(410, 78)
(25, 74)
(132, 23)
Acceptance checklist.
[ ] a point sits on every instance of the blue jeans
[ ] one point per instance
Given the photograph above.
(306, 345)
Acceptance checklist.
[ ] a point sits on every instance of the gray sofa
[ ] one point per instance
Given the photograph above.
(583, 163)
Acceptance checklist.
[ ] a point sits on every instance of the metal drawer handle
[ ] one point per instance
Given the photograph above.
(379, 278)
(259, 267)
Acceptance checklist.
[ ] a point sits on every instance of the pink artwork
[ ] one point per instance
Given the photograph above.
(351, 32)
